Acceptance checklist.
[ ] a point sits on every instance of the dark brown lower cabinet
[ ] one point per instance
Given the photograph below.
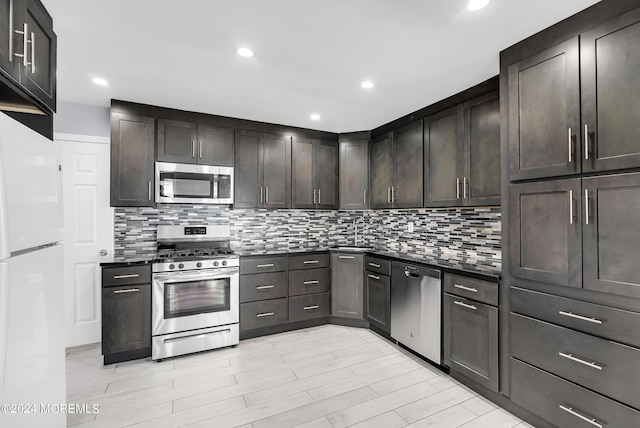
(347, 286)
(378, 303)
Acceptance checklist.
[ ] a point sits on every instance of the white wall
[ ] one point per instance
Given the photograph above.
(81, 119)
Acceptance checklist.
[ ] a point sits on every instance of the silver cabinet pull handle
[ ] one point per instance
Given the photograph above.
(132, 275)
(311, 262)
(586, 206)
(193, 148)
(393, 194)
(128, 290)
(319, 197)
(311, 282)
(314, 196)
(264, 287)
(346, 257)
(581, 361)
(25, 44)
(580, 317)
(570, 206)
(373, 276)
(260, 194)
(570, 146)
(374, 265)
(266, 191)
(570, 410)
(586, 141)
(200, 149)
(33, 53)
(462, 287)
(264, 314)
(388, 195)
(149, 190)
(308, 308)
(265, 265)
(464, 305)
(364, 196)
(457, 188)
(464, 187)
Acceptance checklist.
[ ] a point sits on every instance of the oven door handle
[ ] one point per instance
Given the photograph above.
(172, 277)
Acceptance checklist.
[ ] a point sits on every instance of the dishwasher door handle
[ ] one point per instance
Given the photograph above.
(411, 274)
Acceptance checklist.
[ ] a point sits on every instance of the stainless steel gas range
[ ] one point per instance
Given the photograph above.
(195, 296)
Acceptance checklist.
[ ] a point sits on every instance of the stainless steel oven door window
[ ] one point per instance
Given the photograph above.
(191, 300)
(185, 183)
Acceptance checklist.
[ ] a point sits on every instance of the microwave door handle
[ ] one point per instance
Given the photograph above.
(216, 179)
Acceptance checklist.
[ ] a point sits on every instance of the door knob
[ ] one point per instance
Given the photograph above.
(103, 253)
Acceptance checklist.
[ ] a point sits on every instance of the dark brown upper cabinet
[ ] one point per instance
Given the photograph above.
(544, 113)
(609, 67)
(28, 51)
(132, 160)
(314, 183)
(188, 142)
(262, 170)
(481, 178)
(354, 175)
(443, 158)
(396, 168)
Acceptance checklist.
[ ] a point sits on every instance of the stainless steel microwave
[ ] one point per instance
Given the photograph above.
(178, 183)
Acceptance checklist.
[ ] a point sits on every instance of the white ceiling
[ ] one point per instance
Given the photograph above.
(310, 55)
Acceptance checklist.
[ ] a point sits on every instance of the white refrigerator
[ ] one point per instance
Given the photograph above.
(32, 353)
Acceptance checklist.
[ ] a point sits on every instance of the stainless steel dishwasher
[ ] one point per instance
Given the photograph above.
(416, 294)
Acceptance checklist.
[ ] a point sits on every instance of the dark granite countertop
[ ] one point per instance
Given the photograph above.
(127, 261)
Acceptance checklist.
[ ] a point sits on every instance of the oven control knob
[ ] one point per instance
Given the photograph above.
(181, 265)
(216, 263)
(224, 263)
(172, 266)
(198, 264)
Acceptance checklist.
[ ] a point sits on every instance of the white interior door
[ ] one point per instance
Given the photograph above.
(88, 233)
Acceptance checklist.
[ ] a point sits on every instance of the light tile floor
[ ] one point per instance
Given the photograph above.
(323, 377)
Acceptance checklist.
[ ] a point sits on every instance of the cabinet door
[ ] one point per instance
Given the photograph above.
(544, 113)
(126, 318)
(177, 141)
(39, 77)
(347, 285)
(443, 136)
(610, 60)
(408, 166)
(545, 232)
(354, 175)
(378, 294)
(326, 164)
(303, 192)
(611, 234)
(132, 160)
(470, 339)
(248, 190)
(381, 172)
(215, 145)
(276, 157)
(481, 182)
(10, 43)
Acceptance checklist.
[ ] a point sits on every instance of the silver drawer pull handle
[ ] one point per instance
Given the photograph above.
(580, 317)
(264, 314)
(464, 305)
(570, 410)
(196, 336)
(578, 360)
(128, 290)
(310, 262)
(133, 275)
(347, 257)
(307, 308)
(373, 276)
(586, 141)
(374, 265)
(462, 287)
(264, 287)
(310, 282)
(265, 265)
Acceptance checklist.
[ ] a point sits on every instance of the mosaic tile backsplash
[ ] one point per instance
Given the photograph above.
(472, 233)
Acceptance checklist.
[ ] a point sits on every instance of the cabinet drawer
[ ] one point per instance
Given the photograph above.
(126, 275)
(309, 261)
(606, 367)
(263, 264)
(564, 404)
(263, 286)
(309, 306)
(309, 281)
(263, 313)
(603, 321)
(472, 288)
(378, 265)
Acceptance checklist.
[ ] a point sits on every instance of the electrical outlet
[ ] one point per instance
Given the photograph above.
(410, 227)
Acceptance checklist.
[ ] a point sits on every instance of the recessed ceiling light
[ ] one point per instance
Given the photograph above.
(477, 4)
(367, 84)
(99, 81)
(245, 52)
(315, 116)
